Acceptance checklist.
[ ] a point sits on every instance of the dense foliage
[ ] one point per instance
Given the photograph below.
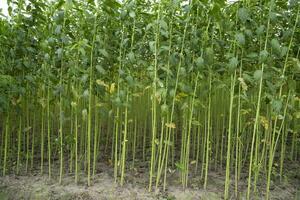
(185, 85)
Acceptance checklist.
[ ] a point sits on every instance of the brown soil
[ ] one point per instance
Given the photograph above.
(39, 187)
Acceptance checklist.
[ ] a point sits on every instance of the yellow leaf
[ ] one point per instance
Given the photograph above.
(297, 115)
(100, 104)
(27, 128)
(146, 88)
(158, 97)
(243, 84)
(110, 162)
(264, 122)
(100, 82)
(170, 125)
(244, 112)
(112, 88)
(181, 95)
(73, 104)
(42, 101)
(137, 94)
(193, 162)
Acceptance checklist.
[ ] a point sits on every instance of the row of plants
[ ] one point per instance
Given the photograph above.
(191, 86)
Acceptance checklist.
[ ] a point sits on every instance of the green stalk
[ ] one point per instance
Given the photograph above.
(124, 142)
(117, 119)
(144, 139)
(228, 157)
(33, 140)
(76, 138)
(207, 143)
(48, 129)
(19, 143)
(203, 145)
(237, 136)
(71, 134)
(187, 155)
(134, 141)
(170, 129)
(257, 108)
(154, 122)
(5, 144)
(2, 143)
(162, 157)
(282, 152)
(273, 145)
(61, 105)
(42, 136)
(28, 131)
(198, 143)
(96, 132)
(90, 101)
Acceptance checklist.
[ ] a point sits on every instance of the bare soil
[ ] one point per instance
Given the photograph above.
(35, 186)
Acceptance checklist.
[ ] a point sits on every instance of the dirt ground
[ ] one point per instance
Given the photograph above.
(38, 187)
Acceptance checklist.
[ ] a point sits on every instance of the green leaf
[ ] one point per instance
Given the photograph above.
(275, 45)
(263, 55)
(100, 69)
(180, 166)
(172, 93)
(296, 63)
(152, 45)
(283, 51)
(243, 14)
(196, 123)
(260, 30)
(58, 29)
(233, 63)
(85, 93)
(240, 38)
(112, 4)
(164, 48)
(163, 24)
(130, 80)
(277, 105)
(82, 51)
(104, 53)
(131, 56)
(59, 4)
(59, 52)
(199, 62)
(68, 4)
(297, 115)
(273, 16)
(164, 108)
(132, 14)
(252, 55)
(209, 55)
(182, 71)
(257, 75)
(248, 33)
